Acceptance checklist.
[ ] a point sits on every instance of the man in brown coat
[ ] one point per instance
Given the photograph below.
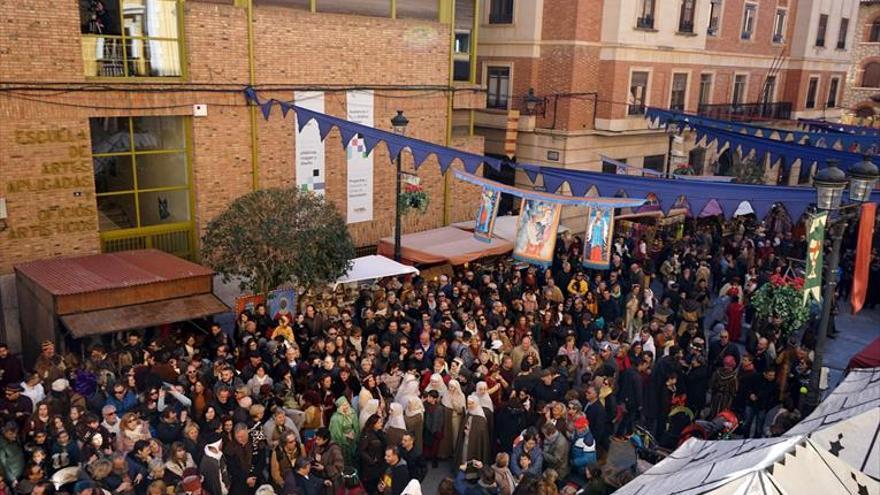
(327, 459)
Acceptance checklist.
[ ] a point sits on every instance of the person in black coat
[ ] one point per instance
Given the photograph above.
(244, 468)
(396, 475)
(215, 475)
(371, 449)
(418, 469)
(301, 481)
(550, 388)
(597, 417)
(629, 394)
(510, 420)
(696, 377)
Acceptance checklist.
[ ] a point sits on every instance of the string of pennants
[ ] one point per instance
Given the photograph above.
(777, 143)
(667, 190)
(823, 126)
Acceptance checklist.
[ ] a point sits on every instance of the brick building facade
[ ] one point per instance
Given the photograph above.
(593, 64)
(79, 89)
(862, 95)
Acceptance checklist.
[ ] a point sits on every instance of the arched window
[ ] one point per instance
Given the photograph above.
(874, 34)
(871, 75)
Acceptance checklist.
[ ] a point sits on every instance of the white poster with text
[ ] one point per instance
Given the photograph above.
(309, 147)
(360, 163)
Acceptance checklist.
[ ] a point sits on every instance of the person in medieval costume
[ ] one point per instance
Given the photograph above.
(408, 388)
(482, 395)
(396, 427)
(723, 386)
(345, 428)
(215, 477)
(473, 438)
(368, 409)
(453, 404)
(414, 417)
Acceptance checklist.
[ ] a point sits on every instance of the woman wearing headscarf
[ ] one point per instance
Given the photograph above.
(408, 388)
(473, 438)
(485, 398)
(453, 404)
(436, 383)
(396, 427)
(368, 409)
(415, 421)
(344, 428)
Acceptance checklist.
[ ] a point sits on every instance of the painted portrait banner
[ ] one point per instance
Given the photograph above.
(536, 231)
(282, 302)
(359, 107)
(309, 146)
(597, 239)
(248, 303)
(490, 199)
(815, 245)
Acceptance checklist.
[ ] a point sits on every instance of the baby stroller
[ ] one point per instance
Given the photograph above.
(719, 428)
(647, 447)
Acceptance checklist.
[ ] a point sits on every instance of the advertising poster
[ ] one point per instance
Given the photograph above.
(359, 105)
(309, 147)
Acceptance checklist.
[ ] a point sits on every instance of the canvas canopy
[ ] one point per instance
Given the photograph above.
(834, 450)
(444, 245)
(505, 227)
(373, 267)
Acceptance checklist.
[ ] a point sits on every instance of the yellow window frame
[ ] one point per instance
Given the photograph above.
(181, 48)
(145, 231)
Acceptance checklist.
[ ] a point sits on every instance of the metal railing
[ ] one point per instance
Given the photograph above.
(178, 240)
(780, 110)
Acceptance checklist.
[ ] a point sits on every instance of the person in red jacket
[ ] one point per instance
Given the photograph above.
(734, 314)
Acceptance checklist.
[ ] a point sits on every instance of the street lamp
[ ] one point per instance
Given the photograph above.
(532, 102)
(830, 183)
(673, 127)
(398, 125)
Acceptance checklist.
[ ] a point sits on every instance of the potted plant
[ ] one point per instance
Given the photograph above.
(781, 300)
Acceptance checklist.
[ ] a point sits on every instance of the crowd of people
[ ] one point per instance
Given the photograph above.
(519, 377)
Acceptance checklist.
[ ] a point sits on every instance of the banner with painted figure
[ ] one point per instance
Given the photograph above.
(282, 302)
(309, 146)
(359, 105)
(597, 239)
(490, 199)
(536, 231)
(815, 247)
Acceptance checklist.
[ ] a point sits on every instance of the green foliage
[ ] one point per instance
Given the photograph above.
(747, 170)
(275, 236)
(782, 298)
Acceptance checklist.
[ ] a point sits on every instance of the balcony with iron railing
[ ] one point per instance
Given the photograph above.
(780, 110)
(645, 22)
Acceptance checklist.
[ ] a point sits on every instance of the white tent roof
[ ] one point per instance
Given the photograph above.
(374, 266)
(767, 466)
(505, 227)
(847, 422)
(834, 450)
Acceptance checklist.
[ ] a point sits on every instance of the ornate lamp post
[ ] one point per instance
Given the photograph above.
(398, 125)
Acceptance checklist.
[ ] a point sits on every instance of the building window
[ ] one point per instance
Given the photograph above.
(812, 89)
(705, 89)
(686, 17)
(638, 92)
(841, 33)
(610, 168)
(832, 93)
(748, 24)
(501, 12)
(131, 38)
(779, 26)
(714, 18)
(769, 93)
(871, 75)
(142, 179)
(739, 89)
(498, 87)
(874, 36)
(654, 162)
(823, 27)
(462, 56)
(679, 88)
(646, 15)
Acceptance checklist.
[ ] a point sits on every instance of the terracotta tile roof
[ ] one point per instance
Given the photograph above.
(66, 276)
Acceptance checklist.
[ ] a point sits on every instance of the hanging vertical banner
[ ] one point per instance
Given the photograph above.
(359, 105)
(815, 247)
(490, 199)
(597, 239)
(863, 256)
(536, 231)
(309, 146)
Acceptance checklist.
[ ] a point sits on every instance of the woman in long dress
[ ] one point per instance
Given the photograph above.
(436, 383)
(485, 399)
(473, 439)
(396, 427)
(408, 388)
(345, 428)
(415, 420)
(453, 404)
